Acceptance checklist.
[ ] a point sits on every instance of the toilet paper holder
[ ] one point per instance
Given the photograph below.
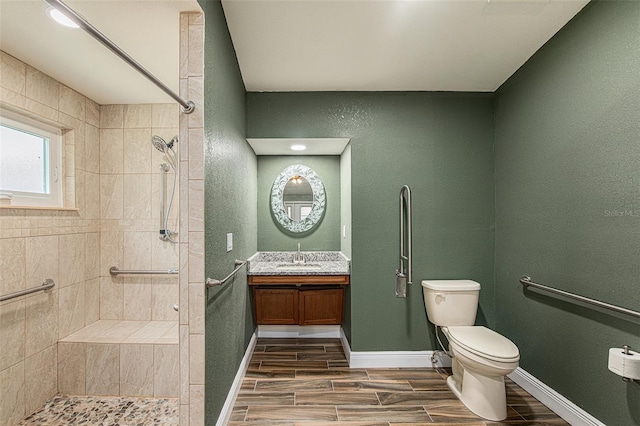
(626, 349)
(621, 362)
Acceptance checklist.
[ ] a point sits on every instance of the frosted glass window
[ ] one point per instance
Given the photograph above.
(30, 161)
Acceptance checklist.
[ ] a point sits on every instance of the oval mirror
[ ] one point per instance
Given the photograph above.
(298, 198)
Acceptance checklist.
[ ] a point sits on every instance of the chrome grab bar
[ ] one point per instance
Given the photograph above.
(48, 284)
(211, 282)
(187, 106)
(404, 273)
(526, 282)
(114, 271)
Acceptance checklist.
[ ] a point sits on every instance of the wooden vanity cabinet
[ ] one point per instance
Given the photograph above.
(298, 300)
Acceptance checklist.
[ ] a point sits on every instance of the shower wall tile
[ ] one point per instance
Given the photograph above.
(137, 116)
(111, 298)
(12, 333)
(72, 102)
(41, 377)
(166, 374)
(137, 250)
(163, 297)
(91, 301)
(137, 302)
(103, 369)
(12, 394)
(72, 358)
(42, 259)
(92, 148)
(72, 252)
(196, 359)
(136, 370)
(196, 50)
(196, 308)
(112, 196)
(111, 117)
(13, 73)
(41, 328)
(184, 364)
(196, 405)
(196, 154)
(92, 113)
(164, 254)
(92, 256)
(164, 115)
(196, 201)
(138, 147)
(38, 109)
(12, 265)
(111, 151)
(42, 88)
(92, 193)
(71, 309)
(137, 196)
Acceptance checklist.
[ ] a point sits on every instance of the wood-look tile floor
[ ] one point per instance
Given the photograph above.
(308, 381)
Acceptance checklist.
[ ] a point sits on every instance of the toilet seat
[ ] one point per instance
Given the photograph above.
(484, 342)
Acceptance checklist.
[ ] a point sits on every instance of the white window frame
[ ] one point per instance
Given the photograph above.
(55, 197)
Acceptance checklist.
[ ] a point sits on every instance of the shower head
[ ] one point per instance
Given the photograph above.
(163, 146)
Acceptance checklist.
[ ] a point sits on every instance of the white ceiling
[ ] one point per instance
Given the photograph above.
(148, 30)
(293, 45)
(431, 45)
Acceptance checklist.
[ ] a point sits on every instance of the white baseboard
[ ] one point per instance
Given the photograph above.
(292, 331)
(564, 408)
(227, 408)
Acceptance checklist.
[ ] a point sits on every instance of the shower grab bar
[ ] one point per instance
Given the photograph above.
(48, 284)
(211, 282)
(115, 271)
(405, 228)
(526, 282)
(187, 106)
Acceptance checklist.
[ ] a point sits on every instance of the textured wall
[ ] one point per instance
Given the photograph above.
(568, 206)
(230, 206)
(326, 236)
(439, 144)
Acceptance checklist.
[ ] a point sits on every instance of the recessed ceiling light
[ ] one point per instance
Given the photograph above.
(298, 147)
(61, 18)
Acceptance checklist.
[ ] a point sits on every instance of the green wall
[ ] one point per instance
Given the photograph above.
(568, 206)
(326, 236)
(230, 203)
(439, 144)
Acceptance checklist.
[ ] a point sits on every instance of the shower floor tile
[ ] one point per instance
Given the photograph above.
(64, 410)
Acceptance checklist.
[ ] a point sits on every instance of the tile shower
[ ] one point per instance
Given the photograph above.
(92, 334)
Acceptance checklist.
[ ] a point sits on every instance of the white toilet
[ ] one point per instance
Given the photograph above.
(481, 357)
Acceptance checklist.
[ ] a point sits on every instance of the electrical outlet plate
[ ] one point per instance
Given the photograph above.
(229, 242)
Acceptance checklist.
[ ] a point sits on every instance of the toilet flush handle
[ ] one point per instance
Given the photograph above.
(440, 297)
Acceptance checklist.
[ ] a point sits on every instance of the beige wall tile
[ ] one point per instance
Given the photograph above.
(111, 151)
(92, 148)
(41, 329)
(12, 333)
(92, 193)
(40, 377)
(112, 196)
(91, 301)
(138, 150)
(196, 257)
(72, 252)
(196, 49)
(12, 98)
(12, 265)
(71, 309)
(184, 364)
(111, 298)
(196, 359)
(136, 370)
(165, 371)
(111, 250)
(12, 390)
(137, 116)
(165, 115)
(137, 196)
(72, 358)
(92, 256)
(72, 102)
(196, 405)
(42, 259)
(42, 88)
(196, 154)
(137, 250)
(13, 73)
(163, 297)
(196, 205)
(164, 254)
(196, 308)
(137, 301)
(92, 113)
(111, 117)
(103, 369)
(196, 91)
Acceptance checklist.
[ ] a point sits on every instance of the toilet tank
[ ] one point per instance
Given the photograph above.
(451, 302)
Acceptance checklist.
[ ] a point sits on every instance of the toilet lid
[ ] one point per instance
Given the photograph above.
(484, 342)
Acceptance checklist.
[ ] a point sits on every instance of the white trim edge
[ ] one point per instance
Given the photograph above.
(227, 408)
(566, 409)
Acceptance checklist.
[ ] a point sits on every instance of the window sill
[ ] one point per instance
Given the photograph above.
(16, 207)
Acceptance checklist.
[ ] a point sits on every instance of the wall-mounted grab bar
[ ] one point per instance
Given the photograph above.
(211, 282)
(46, 285)
(526, 282)
(115, 271)
(404, 273)
(187, 106)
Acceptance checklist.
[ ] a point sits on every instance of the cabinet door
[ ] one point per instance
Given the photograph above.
(321, 306)
(276, 306)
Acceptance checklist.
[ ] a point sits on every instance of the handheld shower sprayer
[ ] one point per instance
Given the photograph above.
(167, 149)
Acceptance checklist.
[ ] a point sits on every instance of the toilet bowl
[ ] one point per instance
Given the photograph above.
(480, 356)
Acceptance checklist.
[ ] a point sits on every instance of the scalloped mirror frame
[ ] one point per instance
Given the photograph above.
(277, 199)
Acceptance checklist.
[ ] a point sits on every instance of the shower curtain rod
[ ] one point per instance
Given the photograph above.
(187, 106)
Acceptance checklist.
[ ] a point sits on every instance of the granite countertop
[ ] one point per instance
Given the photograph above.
(315, 263)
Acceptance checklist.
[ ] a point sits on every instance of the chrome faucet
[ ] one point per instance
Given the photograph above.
(298, 257)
